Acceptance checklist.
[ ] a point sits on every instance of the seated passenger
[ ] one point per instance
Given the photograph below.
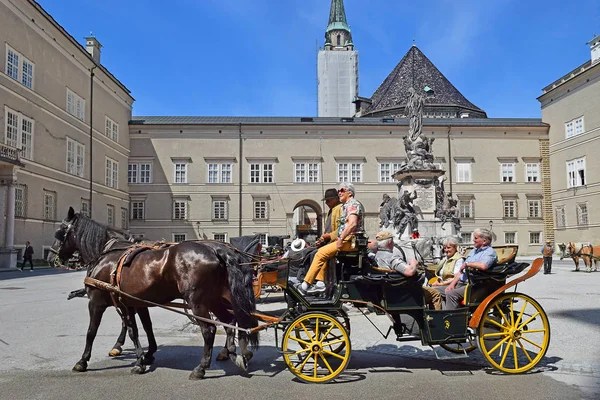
(351, 222)
(387, 259)
(450, 264)
(480, 258)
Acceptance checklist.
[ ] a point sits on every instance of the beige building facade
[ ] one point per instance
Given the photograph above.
(218, 177)
(46, 110)
(571, 106)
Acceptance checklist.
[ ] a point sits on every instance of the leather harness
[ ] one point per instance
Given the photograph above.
(125, 259)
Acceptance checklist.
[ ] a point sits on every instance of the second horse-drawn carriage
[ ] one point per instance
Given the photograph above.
(510, 328)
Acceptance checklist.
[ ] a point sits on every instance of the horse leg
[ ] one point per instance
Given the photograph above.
(118, 347)
(208, 333)
(96, 311)
(144, 315)
(140, 365)
(229, 345)
(576, 259)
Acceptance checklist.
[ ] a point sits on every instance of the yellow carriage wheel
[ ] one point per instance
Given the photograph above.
(308, 347)
(514, 333)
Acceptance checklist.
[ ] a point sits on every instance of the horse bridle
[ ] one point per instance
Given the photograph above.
(56, 261)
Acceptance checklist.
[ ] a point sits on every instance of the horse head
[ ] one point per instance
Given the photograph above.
(64, 245)
(79, 233)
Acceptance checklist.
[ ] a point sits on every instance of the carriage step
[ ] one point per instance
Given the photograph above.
(448, 355)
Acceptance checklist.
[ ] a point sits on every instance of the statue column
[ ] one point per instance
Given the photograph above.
(9, 239)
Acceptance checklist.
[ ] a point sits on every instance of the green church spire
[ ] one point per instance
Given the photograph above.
(337, 25)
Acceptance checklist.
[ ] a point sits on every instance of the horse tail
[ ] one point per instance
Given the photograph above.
(242, 293)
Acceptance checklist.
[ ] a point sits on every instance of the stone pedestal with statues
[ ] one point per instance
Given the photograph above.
(427, 211)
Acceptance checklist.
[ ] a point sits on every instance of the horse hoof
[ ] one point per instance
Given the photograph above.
(138, 370)
(222, 356)
(196, 375)
(116, 351)
(240, 361)
(80, 367)
(148, 360)
(248, 354)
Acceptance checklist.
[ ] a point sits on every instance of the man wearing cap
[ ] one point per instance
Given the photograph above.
(547, 250)
(332, 222)
(386, 258)
(351, 222)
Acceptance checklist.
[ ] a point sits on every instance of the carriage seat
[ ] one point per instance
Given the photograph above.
(497, 272)
(388, 277)
(361, 248)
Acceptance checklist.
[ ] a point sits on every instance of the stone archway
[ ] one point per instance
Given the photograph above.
(307, 220)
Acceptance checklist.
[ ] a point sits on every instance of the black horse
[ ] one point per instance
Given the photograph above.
(204, 276)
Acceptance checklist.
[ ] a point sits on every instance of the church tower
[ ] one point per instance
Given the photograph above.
(337, 67)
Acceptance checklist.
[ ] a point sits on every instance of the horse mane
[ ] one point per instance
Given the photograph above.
(92, 236)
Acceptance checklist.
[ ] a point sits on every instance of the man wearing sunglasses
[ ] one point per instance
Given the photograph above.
(351, 222)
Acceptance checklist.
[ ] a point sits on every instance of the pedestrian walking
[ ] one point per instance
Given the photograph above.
(547, 250)
(27, 256)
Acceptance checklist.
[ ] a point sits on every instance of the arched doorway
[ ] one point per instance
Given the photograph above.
(307, 220)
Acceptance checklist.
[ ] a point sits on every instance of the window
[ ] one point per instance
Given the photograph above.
(219, 173)
(219, 209)
(263, 237)
(85, 207)
(532, 172)
(180, 172)
(110, 215)
(535, 208)
(463, 172)
(75, 157)
(139, 173)
(535, 237)
(20, 201)
(576, 173)
(112, 173)
(510, 208)
(179, 237)
(75, 105)
(510, 237)
(466, 208)
(19, 68)
(221, 237)
(180, 209)
(261, 173)
(349, 172)
(111, 129)
(561, 218)
(507, 172)
(307, 172)
(582, 214)
(574, 127)
(124, 219)
(19, 132)
(386, 170)
(49, 205)
(465, 237)
(137, 209)
(261, 209)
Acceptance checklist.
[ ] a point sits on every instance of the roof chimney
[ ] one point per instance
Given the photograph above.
(595, 49)
(93, 46)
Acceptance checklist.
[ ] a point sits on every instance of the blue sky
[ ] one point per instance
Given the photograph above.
(258, 57)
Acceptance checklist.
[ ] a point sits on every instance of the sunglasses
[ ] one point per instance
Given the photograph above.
(341, 190)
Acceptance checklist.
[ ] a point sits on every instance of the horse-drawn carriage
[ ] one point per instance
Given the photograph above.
(510, 328)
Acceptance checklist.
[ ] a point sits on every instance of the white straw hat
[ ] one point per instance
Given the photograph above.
(298, 244)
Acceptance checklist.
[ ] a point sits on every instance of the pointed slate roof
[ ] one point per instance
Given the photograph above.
(337, 17)
(416, 70)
